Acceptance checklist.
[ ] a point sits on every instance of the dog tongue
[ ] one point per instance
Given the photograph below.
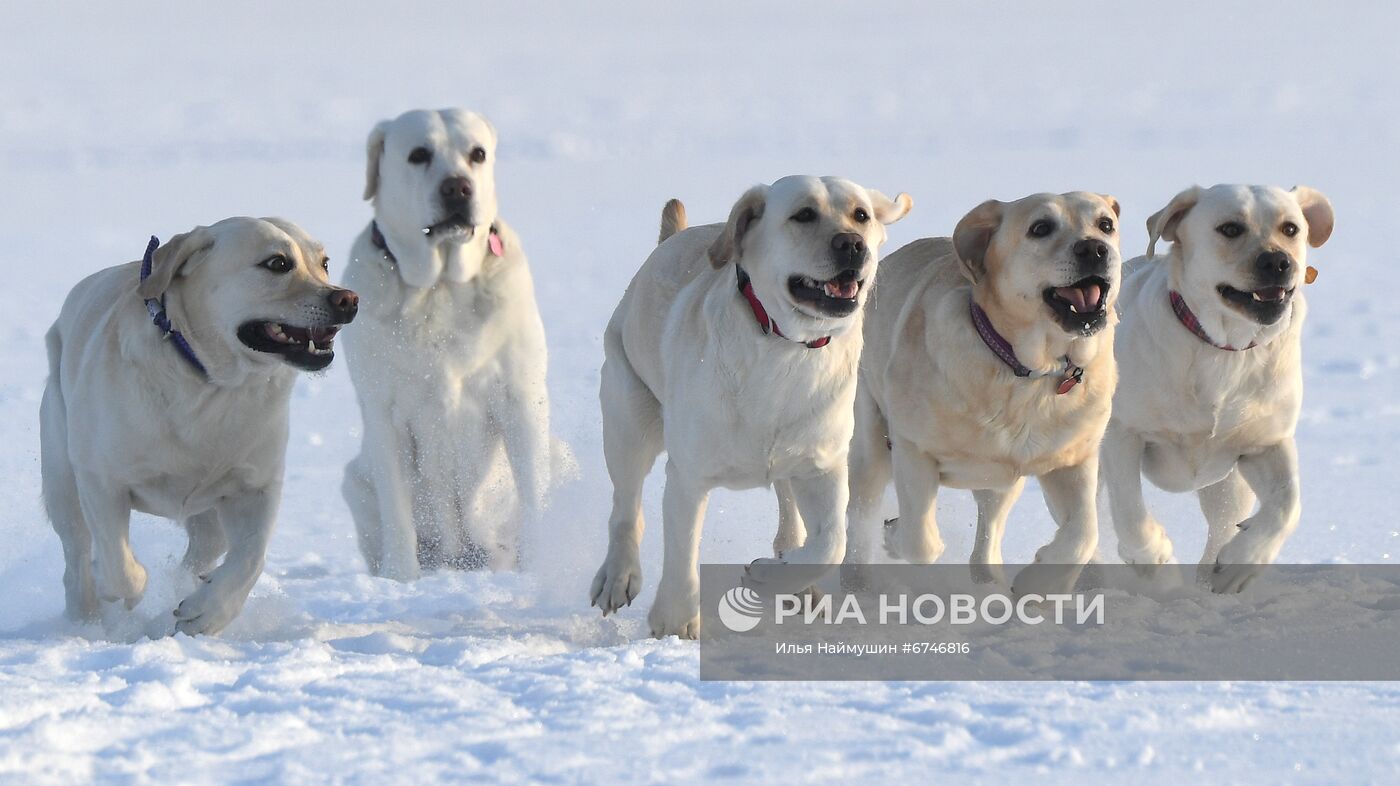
(841, 289)
(1084, 298)
(1271, 293)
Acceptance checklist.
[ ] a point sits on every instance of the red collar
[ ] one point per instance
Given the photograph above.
(765, 322)
(1187, 317)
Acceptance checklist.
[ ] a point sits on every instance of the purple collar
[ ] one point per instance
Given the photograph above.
(156, 308)
(493, 242)
(1187, 317)
(1071, 375)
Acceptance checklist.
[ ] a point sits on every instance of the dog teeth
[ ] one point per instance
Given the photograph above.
(310, 345)
(1073, 308)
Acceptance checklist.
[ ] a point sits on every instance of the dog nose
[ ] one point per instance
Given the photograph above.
(345, 303)
(456, 189)
(1090, 250)
(848, 246)
(1273, 263)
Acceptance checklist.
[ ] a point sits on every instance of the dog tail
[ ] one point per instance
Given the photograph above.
(672, 219)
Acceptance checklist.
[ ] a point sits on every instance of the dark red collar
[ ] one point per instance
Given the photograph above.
(493, 242)
(1071, 375)
(1187, 317)
(765, 322)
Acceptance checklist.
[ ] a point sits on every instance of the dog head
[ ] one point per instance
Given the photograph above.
(251, 291)
(1045, 256)
(1240, 252)
(810, 246)
(432, 177)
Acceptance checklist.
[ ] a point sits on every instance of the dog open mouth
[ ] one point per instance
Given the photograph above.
(1081, 307)
(835, 297)
(311, 349)
(454, 224)
(1266, 305)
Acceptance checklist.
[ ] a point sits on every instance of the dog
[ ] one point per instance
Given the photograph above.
(186, 418)
(449, 358)
(988, 358)
(1211, 357)
(735, 349)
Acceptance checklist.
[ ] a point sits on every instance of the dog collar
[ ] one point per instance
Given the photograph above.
(1070, 376)
(156, 308)
(493, 242)
(1187, 317)
(765, 322)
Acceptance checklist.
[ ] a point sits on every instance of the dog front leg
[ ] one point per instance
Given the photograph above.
(792, 532)
(676, 610)
(1273, 474)
(1141, 540)
(248, 520)
(392, 472)
(118, 574)
(914, 536)
(993, 506)
(524, 419)
(821, 502)
(1070, 494)
(1224, 504)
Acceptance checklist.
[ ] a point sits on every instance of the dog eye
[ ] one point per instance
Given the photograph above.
(1106, 226)
(805, 216)
(1231, 229)
(420, 155)
(326, 265)
(478, 155)
(277, 264)
(861, 216)
(1289, 228)
(1042, 228)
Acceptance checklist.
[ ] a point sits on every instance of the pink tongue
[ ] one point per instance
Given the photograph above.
(845, 290)
(1084, 299)
(1272, 293)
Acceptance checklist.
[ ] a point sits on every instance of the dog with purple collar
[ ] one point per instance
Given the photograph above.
(1210, 356)
(988, 358)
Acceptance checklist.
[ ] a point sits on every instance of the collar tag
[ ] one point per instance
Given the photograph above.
(1310, 275)
(493, 241)
(1073, 376)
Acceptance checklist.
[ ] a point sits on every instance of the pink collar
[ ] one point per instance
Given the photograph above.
(1187, 317)
(765, 322)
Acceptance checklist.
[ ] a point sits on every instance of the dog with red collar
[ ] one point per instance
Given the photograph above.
(988, 358)
(1211, 361)
(735, 350)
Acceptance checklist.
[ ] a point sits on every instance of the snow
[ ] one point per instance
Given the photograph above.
(122, 120)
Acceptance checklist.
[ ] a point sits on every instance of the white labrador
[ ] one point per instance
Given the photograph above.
(449, 358)
(191, 424)
(743, 386)
(1211, 361)
(988, 357)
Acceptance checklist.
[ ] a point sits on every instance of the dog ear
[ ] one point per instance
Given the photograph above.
(747, 210)
(1113, 203)
(172, 257)
(888, 211)
(1162, 224)
(973, 235)
(374, 151)
(1318, 212)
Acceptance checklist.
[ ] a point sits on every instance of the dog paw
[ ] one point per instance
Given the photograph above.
(987, 573)
(1156, 550)
(208, 610)
(1043, 578)
(1240, 561)
(617, 583)
(917, 548)
(678, 618)
(127, 583)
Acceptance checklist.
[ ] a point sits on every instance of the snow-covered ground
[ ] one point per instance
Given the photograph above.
(118, 121)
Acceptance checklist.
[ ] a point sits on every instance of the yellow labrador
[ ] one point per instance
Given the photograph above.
(735, 350)
(1212, 374)
(187, 418)
(988, 357)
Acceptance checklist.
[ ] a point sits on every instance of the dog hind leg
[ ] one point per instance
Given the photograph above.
(60, 491)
